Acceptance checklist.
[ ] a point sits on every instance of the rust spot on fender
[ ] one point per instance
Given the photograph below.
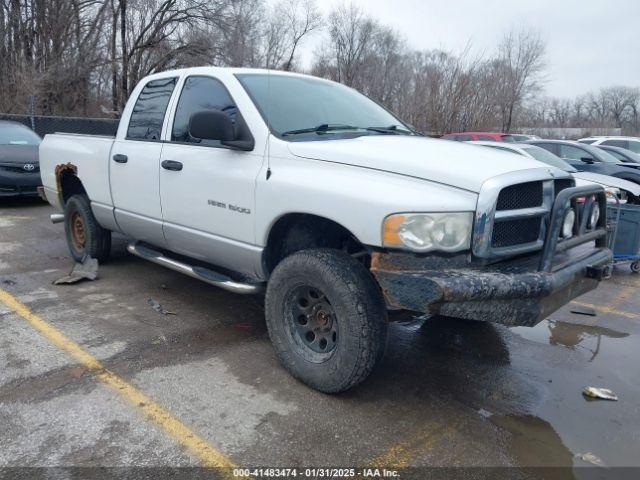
(60, 171)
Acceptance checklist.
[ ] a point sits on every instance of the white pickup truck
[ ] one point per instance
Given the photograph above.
(252, 180)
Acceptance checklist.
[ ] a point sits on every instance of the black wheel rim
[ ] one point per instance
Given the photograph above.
(312, 322)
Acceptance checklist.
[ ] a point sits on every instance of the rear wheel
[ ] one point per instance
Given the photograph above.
(84, 235)
(326, 318)
(635, 267)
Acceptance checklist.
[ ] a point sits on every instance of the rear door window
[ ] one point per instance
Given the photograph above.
(574, 153)
(149, 111)
(486, 138)
(464, 138)
(634, 146)
(616, 143)
(618, 155)
(550, 147)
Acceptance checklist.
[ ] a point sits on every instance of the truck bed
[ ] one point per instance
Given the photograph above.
(89, 154)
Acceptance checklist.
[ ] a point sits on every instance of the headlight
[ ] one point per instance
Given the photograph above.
(567, 224)
(595, 216)
(423, 232)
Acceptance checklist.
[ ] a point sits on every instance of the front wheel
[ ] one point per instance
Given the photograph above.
(635, 267)
(326, 319)
(84, 234)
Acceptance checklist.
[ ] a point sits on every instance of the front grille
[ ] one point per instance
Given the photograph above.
(521, 195)
(18, 169)
(515, 232)
(561, 184)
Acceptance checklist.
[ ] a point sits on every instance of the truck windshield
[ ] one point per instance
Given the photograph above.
(297, 108)
(17, 135)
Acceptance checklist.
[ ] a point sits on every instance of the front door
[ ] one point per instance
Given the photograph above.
(206, 189)
(135, 164)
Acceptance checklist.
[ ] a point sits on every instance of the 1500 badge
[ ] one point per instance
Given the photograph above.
(233, 208)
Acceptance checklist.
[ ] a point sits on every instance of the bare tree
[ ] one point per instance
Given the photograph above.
(519, 64)
(351, 34)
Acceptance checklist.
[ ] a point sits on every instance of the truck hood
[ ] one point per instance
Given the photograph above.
(443, 161)
(19, 154)
(609, 181)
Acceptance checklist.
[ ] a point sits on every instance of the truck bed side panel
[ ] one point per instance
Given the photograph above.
(88, 154)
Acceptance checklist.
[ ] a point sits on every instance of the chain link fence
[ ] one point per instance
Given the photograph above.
(43, 125)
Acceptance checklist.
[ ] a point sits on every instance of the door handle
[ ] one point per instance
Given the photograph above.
(171, 165)
(120, 158)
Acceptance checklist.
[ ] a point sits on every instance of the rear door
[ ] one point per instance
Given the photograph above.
(135, 163)
(207, 204)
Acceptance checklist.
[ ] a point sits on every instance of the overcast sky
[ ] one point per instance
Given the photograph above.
(590, 43)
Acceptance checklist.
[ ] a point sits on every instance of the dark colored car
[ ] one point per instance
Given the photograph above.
(621, 154)
(587, 158)
(19, 166)
(486, 136)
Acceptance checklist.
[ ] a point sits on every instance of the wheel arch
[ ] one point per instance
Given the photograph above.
(68, 182)
(295, 231)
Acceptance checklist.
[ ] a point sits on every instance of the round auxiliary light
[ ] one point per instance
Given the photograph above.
(567, 224)
(595, 216)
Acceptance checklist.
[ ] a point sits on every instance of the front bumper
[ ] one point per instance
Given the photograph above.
(511, 293)
(519, 291)
(19, 184)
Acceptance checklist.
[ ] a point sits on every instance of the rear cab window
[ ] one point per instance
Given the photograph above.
(149, 110)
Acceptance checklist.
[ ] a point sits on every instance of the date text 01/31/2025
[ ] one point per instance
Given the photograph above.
(316, 473)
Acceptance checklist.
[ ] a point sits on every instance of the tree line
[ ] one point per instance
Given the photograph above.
(83, 57)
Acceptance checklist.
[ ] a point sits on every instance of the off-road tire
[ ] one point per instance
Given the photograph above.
(96, 240)
(357, 306)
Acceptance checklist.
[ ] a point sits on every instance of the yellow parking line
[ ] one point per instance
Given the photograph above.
(208, 455)
(624, 293)
(606, 309)
(402, 453)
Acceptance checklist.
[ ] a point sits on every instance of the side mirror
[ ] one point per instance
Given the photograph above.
(586, 159)
(216, 125)
(211, 125)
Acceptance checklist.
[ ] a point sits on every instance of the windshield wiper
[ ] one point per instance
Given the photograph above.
(322, 128)
(392, 129)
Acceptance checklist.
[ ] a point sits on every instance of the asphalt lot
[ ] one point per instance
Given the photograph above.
(449, 393)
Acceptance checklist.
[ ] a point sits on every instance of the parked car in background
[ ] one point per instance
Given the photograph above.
(19, 166)
(487, 137)
(621, 154)
(587, 158)
(628, 143)
(616, 188)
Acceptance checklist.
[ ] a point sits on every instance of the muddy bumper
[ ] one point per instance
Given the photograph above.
(511, 294)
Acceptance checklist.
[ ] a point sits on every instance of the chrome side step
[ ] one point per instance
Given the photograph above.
(206, 275)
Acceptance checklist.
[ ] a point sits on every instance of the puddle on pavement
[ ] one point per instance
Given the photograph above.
(591, 338)
(534, 442)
